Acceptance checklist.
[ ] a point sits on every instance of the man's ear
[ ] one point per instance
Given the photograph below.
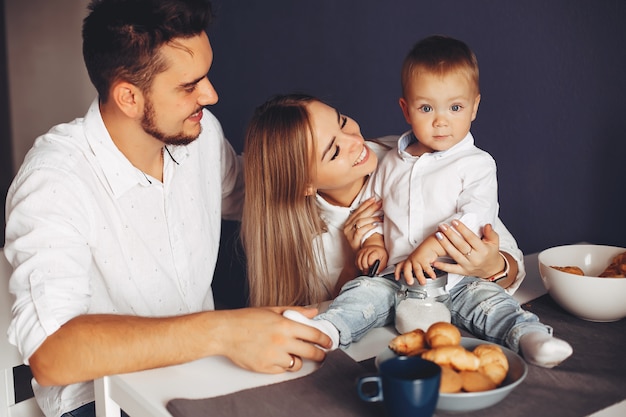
(128, 98)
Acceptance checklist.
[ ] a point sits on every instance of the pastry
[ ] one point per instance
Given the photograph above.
(409, 344)
(493, 362)
(569, 269)
(457, 357)
(451, 380)
(474, 381)
(443, 334)
(617, 268)
(461, 370)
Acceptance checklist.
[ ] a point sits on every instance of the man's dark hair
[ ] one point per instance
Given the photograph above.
(122, 38)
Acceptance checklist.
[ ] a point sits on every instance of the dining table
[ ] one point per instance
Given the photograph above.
(592, 382)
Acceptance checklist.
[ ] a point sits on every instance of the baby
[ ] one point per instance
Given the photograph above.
(436, 176)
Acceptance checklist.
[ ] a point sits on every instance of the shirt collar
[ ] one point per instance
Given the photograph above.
(336, 215)
(120, 174)
(408, 138)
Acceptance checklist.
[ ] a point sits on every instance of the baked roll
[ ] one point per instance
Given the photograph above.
(456, 357)
(451, 381)
(493, 362)
(569, 269)
(443, 334)
(617, 268)
(409, 344)
(474, 381)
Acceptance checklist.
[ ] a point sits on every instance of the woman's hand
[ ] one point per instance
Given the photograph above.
(474, 256)
(362, 220)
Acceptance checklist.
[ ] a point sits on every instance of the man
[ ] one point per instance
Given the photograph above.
(113, 219)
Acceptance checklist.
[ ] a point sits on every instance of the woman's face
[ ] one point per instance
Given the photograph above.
(342, 159)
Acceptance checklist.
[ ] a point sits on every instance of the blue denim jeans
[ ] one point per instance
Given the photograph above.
(484, 309)
(363, 303)
(480, 307)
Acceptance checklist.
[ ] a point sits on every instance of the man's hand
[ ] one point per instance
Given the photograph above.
(262, 340)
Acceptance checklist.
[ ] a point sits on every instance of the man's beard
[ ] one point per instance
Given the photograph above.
(148, 124)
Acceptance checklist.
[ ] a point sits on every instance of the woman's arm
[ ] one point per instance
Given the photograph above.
(508, 244)
(513, 269)
(361, 221)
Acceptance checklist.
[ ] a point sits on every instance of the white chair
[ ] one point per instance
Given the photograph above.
(9, 356)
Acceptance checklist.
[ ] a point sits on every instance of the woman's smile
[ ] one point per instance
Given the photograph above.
(363, 156)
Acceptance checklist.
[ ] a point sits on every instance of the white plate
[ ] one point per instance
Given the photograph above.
(469, 401)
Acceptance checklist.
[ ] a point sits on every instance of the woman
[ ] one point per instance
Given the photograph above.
(305, 167)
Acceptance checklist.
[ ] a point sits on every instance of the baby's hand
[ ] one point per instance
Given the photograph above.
(367, 255)
(417, 265)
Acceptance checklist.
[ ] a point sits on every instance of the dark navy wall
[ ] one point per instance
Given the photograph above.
(553, 80)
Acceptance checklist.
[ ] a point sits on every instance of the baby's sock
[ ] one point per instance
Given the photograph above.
(324, 326)
(543, 349)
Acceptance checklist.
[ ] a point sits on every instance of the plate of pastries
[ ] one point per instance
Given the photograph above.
(475, 374)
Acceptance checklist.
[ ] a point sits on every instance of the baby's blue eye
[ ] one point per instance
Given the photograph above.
(455, 107)
(426, 108)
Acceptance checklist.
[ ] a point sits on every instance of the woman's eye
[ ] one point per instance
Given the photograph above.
(336, 154)
(456, 107)
(344, 120)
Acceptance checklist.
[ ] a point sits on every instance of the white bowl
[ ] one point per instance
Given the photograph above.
(471, 401)
(587, 297)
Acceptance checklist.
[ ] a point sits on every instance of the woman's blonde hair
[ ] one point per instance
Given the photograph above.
(281, 219)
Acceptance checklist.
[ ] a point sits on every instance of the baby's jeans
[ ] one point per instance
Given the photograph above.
(480, 307)
(363, 303)
(484, 309)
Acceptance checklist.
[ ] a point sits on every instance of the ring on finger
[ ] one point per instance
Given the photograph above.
(469, 252)
(292, 363)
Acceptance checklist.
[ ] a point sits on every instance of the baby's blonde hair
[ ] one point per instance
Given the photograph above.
(439, 55)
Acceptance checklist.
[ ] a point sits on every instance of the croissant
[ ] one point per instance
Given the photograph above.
(617, 268)
(493, 362)
(409, 344)
(451, 380)
(474, 381)
(443, 334)
(455, 356)
(569, 269)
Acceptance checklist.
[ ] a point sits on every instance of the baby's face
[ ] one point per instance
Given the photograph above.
(440, 109)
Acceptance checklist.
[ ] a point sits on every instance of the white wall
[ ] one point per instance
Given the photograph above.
(48, 83)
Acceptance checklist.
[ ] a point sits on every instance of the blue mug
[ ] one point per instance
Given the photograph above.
(407, 386)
